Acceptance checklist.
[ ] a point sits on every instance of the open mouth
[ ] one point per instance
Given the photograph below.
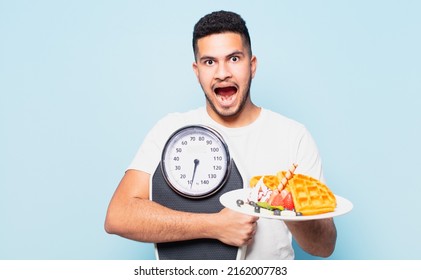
(226, 95)
(226, 90)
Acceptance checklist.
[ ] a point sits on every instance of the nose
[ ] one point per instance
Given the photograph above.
(222, 71)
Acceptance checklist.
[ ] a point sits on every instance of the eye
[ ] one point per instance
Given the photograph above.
(234, 58)
(209, 62)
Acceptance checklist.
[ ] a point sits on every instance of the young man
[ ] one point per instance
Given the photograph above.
(263, 141)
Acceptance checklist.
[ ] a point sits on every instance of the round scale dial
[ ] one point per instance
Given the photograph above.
(195, 161)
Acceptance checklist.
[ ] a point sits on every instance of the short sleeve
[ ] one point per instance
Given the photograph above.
(149, 153)
(308, 156)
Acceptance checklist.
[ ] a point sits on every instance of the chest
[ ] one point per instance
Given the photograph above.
(261, 154)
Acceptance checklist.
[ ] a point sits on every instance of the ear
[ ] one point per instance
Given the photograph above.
(196, 69)
(253, 65)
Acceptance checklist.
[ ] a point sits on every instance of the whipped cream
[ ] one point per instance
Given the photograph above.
(260, 192)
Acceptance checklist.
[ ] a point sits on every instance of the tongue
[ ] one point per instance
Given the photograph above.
(226, 95)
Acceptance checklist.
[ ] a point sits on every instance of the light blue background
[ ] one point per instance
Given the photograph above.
(81, 82)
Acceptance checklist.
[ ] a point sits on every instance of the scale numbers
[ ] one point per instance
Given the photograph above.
(195, 161)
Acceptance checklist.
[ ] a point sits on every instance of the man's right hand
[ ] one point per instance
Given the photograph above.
(234, 228)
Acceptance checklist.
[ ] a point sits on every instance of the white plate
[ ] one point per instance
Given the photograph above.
(229, 200)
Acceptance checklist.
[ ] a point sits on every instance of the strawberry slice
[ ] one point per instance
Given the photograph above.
(278, 200)
(288, 202)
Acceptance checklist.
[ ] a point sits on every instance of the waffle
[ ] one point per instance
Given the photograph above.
(270, 181)
(311, 197)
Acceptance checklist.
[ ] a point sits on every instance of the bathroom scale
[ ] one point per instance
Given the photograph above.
(195, 169)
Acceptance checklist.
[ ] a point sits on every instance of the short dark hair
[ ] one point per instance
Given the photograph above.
(221, 22)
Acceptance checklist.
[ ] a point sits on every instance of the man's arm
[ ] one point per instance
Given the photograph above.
(316, 237)
(132, 215)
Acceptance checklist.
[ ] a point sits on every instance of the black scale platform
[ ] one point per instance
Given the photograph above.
(198, 249)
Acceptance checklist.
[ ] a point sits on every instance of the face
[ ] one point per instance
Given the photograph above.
(225, 69)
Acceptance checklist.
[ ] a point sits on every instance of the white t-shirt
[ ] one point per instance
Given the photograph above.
(270, 144)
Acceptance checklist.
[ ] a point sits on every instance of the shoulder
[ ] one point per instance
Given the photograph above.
(281, 122)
